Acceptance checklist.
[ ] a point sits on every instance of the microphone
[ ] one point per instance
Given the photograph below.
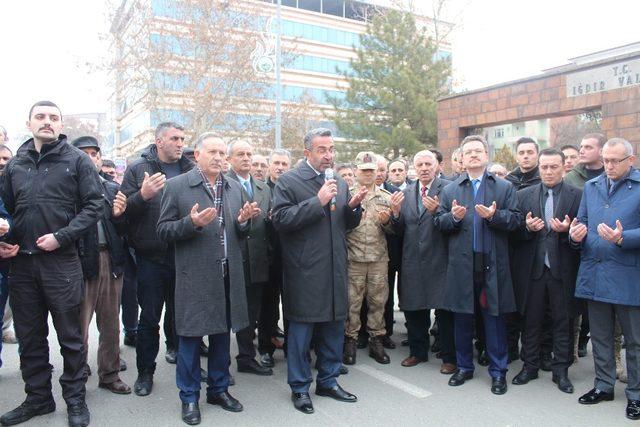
(328, 174)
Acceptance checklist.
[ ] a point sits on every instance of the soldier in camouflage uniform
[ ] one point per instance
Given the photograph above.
(367, 263)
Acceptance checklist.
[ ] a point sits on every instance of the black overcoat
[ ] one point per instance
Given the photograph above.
(314, 249)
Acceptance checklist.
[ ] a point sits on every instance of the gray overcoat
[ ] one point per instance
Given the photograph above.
(424, 251)
(314, 249)
(200, 307)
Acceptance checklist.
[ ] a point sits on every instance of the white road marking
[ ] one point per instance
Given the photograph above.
(396, 382)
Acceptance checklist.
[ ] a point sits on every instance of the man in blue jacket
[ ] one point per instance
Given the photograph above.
(608, 230)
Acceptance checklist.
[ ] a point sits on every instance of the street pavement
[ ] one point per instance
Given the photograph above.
(387, 395)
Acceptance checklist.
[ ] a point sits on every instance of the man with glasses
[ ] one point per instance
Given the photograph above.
(478, 211)
(607, 230)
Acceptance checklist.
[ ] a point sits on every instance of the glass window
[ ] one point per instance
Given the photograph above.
(332, 7)
(313, 5)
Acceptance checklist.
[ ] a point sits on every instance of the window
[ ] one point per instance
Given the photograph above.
(312, 5)
(333, 7)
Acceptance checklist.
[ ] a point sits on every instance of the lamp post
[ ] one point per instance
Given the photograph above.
(278, 82)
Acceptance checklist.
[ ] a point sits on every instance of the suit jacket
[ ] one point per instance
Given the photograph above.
(314, 247)
(527, 263)
(459, 294)
(424, 264)
(200, 298)
(394, 242)
(256, 250)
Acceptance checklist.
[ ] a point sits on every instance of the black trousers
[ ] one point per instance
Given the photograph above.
(156, 289)
(388, 308)
(544, 292)
(130, 296)
(39, 285)
(245, 337)
(270, 311)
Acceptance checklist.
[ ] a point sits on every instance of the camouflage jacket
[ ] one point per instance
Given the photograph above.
(367, 242)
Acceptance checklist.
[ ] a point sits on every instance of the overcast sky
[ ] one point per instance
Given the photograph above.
(45, 45)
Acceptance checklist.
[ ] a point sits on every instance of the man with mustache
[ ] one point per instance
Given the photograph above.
(53, 192)
(312, 213)
(142, 184)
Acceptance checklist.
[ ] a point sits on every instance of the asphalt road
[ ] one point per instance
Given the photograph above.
(388, 395)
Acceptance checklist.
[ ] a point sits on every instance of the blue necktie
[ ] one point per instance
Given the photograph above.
(247, 186)
(476, 186)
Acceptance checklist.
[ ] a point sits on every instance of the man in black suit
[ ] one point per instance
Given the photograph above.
(545, 268)
(255, 253)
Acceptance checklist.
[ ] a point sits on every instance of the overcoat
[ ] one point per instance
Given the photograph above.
(314, 248)
(459, 292)
(200, 303)
(608, 272)
(424, 261)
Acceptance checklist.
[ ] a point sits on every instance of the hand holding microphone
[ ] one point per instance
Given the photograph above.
(327, 193)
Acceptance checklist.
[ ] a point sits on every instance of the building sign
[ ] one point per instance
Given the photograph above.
(608, 77)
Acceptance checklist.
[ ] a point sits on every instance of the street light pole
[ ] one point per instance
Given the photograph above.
(278, 82)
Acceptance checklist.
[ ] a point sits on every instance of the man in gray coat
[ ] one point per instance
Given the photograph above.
(312, 213)
(206, 217)
(424, 264)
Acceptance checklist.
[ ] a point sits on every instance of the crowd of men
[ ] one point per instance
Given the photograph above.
(525, 265)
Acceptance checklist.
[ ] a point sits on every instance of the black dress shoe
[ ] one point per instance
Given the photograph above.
(253, 367)
(337, 393)
(595, 396)
(483, 358)
(633, 409)
(460, 377)
(130, 339)
(388, 343)
(204, 349)
(267, 361)
(224, 399)
(302, 402)
(499, 385)
(204, 376)
(144, 384)
(362, 341)
(191, 413)
(78, 415)
(26, 411)
(564, 384)
(524, 377)
(170, 356)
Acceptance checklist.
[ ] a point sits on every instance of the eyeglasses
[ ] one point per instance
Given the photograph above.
(614, 162)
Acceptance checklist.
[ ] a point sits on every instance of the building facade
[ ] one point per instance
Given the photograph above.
(318, 40)
(599, 91)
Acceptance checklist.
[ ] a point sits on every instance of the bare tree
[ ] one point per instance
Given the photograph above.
(191, 61)
(570, 130)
